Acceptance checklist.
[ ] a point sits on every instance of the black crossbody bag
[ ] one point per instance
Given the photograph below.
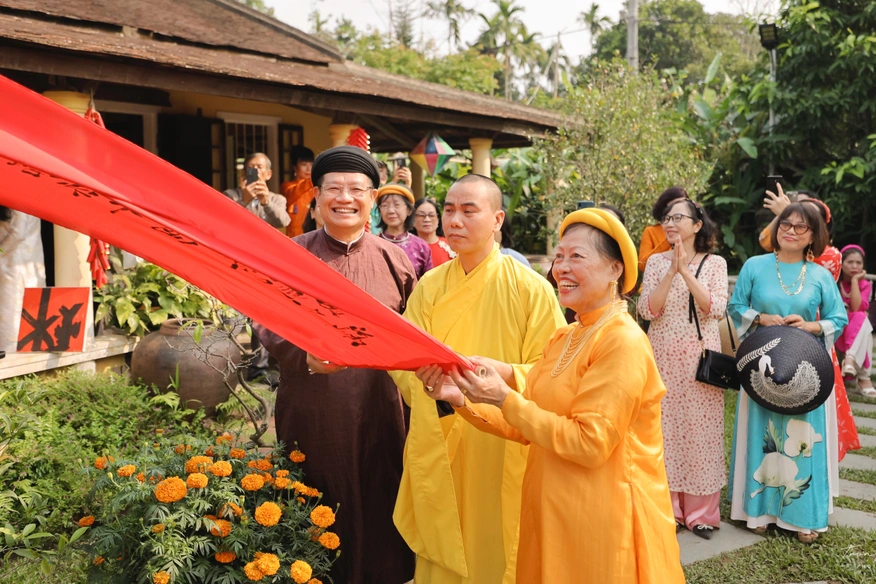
(714, 368)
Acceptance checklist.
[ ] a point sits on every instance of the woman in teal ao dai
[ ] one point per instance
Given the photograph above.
(784, 468)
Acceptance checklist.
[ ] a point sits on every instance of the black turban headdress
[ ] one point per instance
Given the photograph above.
(345, 159)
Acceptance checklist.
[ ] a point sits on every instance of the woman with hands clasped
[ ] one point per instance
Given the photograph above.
(786, 288)
(681, 283)
(596, 504)
(856, 342)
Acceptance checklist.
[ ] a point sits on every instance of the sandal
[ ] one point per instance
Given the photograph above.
(849, 367)
(679, 527)
(866, 390)
(759, 530)
(807, 537)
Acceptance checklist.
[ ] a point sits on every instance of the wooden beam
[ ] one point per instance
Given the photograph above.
(390, 131)
(144, 74)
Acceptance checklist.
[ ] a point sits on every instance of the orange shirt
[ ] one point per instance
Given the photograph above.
(653, 241)
(298, 195)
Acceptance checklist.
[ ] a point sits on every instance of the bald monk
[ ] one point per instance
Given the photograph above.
(459, 501)
(349, 422)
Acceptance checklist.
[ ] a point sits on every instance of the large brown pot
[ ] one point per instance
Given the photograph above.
(155, 361)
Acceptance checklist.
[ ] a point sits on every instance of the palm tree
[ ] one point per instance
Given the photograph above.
(454, 12)
(594, 23)
(505, 33)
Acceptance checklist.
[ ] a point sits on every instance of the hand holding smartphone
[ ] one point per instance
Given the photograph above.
(772, 183)
(252, 175)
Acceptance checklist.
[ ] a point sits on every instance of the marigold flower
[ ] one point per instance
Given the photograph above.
(158, 528)
(222, 529)
(300, 571)
(252, 482)
(235, 509)
(301, 500)
(251, 464)
(311, 492)
(160, 578)
(268, 564)
(170, 490)
(252, 572)
(182, 448)
(126, 471)
(282, 473)
(98, 560)
(221, 468)
(269, 480)
(264, 464)
(225, 437)
(141, 477)
(322, 516)
(209, 452)
(298, 486)
(159, 431)
(330, 540)
(86, 521)
(237, 453)
(196, 480)
(225, 557)
(282, 483)
(314, 581)
(199, 464)
(100, 462)
(297, 456)
(268, 514)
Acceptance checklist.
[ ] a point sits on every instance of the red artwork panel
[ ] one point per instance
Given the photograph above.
(53, 319)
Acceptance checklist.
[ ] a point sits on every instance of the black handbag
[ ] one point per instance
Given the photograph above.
(714, 368)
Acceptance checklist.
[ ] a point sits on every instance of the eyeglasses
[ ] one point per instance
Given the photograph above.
(386, 206)
(431, 216)
(799, 228)
(357, 192)
(675, 218)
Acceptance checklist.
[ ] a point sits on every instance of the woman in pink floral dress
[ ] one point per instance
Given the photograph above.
(693, 412)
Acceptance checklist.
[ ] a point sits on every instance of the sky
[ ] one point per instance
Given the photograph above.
(546, 17)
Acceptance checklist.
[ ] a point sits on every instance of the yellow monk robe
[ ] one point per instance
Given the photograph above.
(596, 505)
(298, 195)
(459, 500)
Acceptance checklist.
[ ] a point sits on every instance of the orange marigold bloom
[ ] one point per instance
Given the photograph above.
(141, 477)
(269, 480)
(126, 471)
(196, 480)
(282, 483)
(322, 516)
(252, 482)
(297, 456)
(98, 560)
(330, 540)
(268, 564)
(264, 464)
(221, 468)
(209, 452)
(268, 514)
(182, 448)
(235, 509)
(300, 571)
(100, 462)
(225, 437)
(225, 557)
(251, 464)
(252, 572)
(311, 492)
(222, 529)
(170, 490)
(237, 453)
(160, 578)
(314, 581)
(158, 528)
(299, 487)
(301, 500)
(282, 473)
(199, 464)
(86, 521)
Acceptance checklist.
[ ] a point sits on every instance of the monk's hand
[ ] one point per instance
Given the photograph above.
(484, 387)
(320, 366)
(505, 371)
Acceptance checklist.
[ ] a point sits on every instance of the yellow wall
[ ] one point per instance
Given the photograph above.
(316, 135)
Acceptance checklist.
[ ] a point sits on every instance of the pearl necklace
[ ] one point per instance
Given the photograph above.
(800, 278)
(574, 345)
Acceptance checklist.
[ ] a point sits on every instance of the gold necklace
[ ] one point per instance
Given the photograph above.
(800, 278)
(574, 345)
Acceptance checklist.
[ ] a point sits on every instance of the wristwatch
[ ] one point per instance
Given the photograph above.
(757, 319)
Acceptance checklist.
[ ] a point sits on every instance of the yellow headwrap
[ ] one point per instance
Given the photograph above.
(395, 189)
(606, 221)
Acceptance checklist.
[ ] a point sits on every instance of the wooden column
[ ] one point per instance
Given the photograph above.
(480, 155)
(418, 181)
(340, 132)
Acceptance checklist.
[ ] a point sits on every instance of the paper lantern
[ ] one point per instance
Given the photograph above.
(360, 138)
(432, 153)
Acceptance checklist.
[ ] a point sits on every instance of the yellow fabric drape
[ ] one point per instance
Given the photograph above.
(653, 241)
(596, 505)
(459, 501)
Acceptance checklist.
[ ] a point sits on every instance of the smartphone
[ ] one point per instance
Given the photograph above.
(772, 181)
(403, 162)
(252, 175)
(585, 204)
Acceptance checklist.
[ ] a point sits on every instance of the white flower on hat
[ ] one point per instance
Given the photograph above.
(801, 438)
(776, 470)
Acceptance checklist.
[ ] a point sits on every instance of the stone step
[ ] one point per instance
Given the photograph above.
(851, 518)
(858, 462)
(727, 539)
(867, 440)
(858, 490)
(862, 407)
(862, 422)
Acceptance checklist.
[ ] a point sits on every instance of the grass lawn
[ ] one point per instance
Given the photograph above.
(841, 555)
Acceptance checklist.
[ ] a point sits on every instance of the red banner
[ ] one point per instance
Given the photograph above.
(64, 169)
